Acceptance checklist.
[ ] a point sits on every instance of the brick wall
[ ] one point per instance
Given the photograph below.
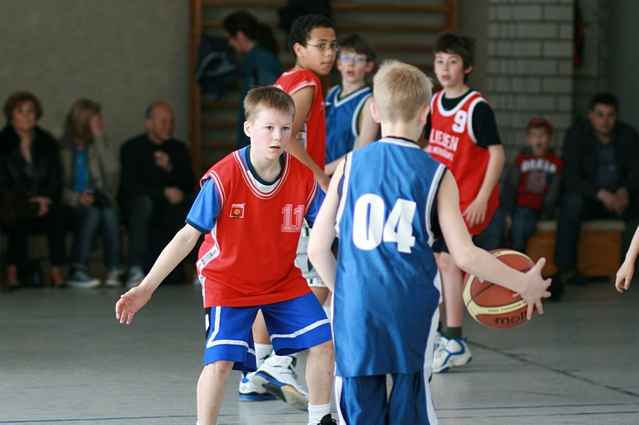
(530, 65)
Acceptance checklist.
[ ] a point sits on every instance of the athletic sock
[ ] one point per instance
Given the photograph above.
(454, 332)
(317, 411)
(262, 351)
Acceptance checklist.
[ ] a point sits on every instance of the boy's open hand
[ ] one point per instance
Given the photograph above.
(535, 289)
(476, 212)
(130, 303)
(624, 276)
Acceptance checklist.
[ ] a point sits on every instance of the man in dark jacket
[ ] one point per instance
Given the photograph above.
(156, 187)
(600, 179)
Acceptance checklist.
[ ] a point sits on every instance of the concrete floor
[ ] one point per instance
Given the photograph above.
(65, 360)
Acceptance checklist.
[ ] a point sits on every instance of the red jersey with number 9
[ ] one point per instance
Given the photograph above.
(313, 134)
(453, 143)
(248, 258)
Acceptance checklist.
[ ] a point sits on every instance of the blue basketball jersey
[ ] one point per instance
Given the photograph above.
(387, 287)
(341, 120)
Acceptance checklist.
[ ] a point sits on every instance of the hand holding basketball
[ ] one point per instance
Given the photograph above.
(535, 289)
(495, 305)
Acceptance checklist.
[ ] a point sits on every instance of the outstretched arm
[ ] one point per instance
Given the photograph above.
(627, 269)
(323, 233)
(174, 252)
(476, 261)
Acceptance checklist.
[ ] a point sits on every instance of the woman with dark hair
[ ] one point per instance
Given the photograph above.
(30, 171)
(255, 44)
(90, 173)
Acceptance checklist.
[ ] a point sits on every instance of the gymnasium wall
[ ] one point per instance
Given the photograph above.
(122, 53)
(623, 58)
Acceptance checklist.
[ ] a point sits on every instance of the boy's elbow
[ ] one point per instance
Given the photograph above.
(465, 257)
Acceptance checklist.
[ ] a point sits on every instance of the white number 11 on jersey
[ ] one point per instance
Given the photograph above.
(369, 229)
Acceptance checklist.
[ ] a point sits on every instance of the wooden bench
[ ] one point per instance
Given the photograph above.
(598, 253)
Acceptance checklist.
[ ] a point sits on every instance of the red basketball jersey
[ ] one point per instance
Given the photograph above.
(535, 173)
(453, 143)
(314, 132)
(248, 258)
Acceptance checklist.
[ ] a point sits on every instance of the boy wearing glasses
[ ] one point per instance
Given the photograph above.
(348, 117)
(313, 42)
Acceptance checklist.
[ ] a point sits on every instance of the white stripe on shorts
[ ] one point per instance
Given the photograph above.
(302, 331)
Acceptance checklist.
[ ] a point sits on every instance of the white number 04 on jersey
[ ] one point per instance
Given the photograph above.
(369, 229)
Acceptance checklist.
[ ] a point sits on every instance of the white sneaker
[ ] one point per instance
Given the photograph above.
(277, 376)
(112, 279)
(251, 390)
(437, 341)
(134, 277)
(80, 279)
(451, 353)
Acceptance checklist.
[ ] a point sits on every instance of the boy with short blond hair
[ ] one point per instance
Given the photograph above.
(388, 203)
(251, 202)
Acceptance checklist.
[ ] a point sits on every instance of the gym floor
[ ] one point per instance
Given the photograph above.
(65, 360)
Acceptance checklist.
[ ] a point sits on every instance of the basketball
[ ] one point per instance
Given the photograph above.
(492, 305)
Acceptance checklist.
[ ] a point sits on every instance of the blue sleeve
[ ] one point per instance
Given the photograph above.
(315, 205)
(205, 208)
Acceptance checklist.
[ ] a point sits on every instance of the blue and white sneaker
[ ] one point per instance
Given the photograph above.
(277, 376)
(134, 277)
(250, 390)
(452, 352)
(80, 279)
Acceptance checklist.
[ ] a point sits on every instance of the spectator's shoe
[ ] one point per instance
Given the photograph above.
(556, 289)
(277, 376)
(134, 277)
(327, 420)
(250, 390)
(452, 352)
(56, 278)
(112, 279)
(79, 279)
(12, 281)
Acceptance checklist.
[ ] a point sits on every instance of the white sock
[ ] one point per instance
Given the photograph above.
(317, 411)
(262, 351)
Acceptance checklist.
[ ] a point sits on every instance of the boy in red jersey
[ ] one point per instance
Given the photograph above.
(313, 42)
(463, 136)
(257, 190)
(532, 186)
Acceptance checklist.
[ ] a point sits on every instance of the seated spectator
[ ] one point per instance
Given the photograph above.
(156, 186)
(600, 180)
(31, 174)
(255, 44)
(90, 173)
(531, 187)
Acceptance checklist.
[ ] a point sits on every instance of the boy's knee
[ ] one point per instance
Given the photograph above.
(445, 263)
(325, 349)
(220, 367)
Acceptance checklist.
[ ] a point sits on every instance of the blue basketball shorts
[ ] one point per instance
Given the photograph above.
(364, 400)
(293, 325)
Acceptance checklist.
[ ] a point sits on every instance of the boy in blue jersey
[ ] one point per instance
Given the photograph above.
(349, 123)
(388, 203)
